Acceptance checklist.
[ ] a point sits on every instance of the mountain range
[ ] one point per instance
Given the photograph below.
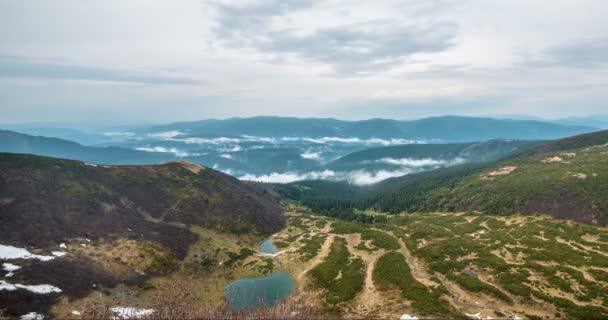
(445, 128)
(275, 149)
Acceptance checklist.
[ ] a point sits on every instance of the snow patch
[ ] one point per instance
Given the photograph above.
(11, 253)
(58, 253)
(474, 316)
(408, 317)
(32, 316)
(10, 267)
(90, 164)
(63, 246)
(129, 313)
(40, 288)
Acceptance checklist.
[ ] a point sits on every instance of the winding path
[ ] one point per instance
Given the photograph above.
(324, 252)
(420, 274)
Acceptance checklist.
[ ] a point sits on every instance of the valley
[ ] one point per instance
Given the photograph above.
(522, 236)
(303, 160)
(423, 265)
(450, 265)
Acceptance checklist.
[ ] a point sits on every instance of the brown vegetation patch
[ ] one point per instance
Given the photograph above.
(500, 172)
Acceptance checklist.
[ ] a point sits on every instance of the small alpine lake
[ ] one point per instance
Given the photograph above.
(263, 292)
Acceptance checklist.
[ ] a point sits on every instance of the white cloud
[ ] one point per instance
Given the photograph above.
(288, 177)
(363, 177)
(166, 134)
(276, 140)
(451, 50)
(165, 150)
(119, 134)
(311, 155)
(410, 162)
(358, 177)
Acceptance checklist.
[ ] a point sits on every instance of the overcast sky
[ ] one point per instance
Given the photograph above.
(159, 61)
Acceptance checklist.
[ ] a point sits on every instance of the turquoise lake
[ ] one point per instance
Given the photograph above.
(268, 247)
(263, 292)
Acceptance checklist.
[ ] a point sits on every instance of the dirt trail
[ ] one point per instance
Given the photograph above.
(418, 271)
(324, 252)
(369, 299)
(421, 275)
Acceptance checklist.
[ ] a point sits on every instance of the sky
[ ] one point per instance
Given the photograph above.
(161, 61)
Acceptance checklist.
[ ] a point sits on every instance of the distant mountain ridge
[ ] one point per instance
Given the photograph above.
(566, 178)
(13, 142)
(444, 128)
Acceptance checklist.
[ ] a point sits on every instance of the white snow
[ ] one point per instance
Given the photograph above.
(129, 313)
(32, 316)
(515, 317)
(58, 253)
(76, 313)
(90, 164)
(63, 246)
(408, 317)
(10, 252)
(87, 240)
(41, 288)
(475, 316)
(7, 286)
(83, 245)
(10, 267)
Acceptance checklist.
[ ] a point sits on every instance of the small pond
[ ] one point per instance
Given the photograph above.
(263, 292)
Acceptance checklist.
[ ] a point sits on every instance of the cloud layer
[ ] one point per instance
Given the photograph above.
(160, 61)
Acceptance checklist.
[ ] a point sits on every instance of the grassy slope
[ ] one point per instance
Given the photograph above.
(47, 200)
(174, 220)
(575, 188)
(535, 186)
